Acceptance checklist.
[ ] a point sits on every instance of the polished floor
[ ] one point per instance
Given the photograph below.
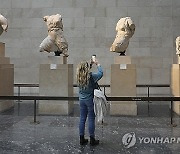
(119, 135)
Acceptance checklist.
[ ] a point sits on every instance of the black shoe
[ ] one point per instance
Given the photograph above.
(83, 141)
(93, 142)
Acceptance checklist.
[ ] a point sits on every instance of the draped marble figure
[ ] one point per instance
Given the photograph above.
(178, 45)
(125, 29)
(55, 41)
(3, 24)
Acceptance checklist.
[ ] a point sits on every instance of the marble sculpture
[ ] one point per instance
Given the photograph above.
(55, 41)
(178, 45)
(3, 24)
(125, 29)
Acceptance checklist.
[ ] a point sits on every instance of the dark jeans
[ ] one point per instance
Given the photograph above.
(87, 109)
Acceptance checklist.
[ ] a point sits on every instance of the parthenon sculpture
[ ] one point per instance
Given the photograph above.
(125, 29)
(3, 24)
(55, 41)
(178, 48)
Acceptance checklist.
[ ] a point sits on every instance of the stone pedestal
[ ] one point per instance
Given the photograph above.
(4, 60)
(122, 60)
(6, 79)
(123, 83)
(57, 60)
(175, 86)
(2, 49)
(56, 80)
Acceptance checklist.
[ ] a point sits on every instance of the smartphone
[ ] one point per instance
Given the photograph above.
(93, 58)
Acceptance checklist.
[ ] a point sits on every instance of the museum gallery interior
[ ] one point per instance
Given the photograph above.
(137, 43)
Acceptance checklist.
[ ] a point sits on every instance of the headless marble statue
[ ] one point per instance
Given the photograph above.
(178, 48)
(3, 24)
(55, 41)
(125, 29)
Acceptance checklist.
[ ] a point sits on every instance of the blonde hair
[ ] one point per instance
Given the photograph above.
(82, 74)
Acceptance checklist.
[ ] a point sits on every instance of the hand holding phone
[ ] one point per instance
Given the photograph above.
(93, 58)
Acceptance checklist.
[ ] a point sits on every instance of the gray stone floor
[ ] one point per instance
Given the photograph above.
(59, 134)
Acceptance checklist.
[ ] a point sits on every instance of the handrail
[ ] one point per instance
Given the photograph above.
(26, 85)
(102, 85)
(19, 85)
(35, 98)
(153, 85)
(148, 86)
(74, 98)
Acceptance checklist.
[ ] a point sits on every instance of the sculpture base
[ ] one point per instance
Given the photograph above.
(6, 85)
(122, 60)
(175, 86)
(123, 83)
(56, 80)
(57, 60)
(4, 60)
(176, 107)
(2, 49)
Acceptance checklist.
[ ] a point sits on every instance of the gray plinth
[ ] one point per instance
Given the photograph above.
(56, 80)
(6, 85)
(175, 86)
(57, 60)
(123, 83)
(6, 79)
(2, 49)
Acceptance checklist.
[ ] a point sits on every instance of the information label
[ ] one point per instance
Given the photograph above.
(53, 66)
(123, 66)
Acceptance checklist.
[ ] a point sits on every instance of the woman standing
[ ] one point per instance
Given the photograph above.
(86, 81)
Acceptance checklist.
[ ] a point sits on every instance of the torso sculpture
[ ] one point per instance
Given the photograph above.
(55, 41)
(178, 45)
(3, 24)
(125, 29)
(178, 49)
